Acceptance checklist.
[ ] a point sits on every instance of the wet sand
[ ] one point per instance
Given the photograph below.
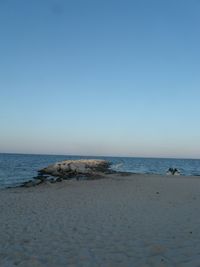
(136, 220)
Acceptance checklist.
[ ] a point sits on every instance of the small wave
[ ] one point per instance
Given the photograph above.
(117, 166)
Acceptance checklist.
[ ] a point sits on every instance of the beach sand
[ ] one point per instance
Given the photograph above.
(135, 220)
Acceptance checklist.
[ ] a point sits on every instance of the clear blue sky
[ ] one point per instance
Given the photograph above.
(100, 77)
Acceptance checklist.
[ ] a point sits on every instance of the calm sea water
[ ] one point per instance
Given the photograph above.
(17, 168)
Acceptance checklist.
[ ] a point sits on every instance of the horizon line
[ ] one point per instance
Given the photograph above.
(108, 156)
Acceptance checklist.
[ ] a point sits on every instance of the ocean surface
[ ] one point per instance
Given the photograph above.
(17, 168)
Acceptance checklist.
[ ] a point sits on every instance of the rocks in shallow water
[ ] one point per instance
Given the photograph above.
(74, 168)
(173, 171)
(39, 180)
(42, 178)
(79, 169)
(31, 183)
(59, 179)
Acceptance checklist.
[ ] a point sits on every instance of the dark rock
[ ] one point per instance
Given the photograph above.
(173, 171)
(52, 181)
(59, 179)
(29, 183)
(42, 178)
(37, 181)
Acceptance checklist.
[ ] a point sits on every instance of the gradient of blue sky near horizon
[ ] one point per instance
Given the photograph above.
(100, 77)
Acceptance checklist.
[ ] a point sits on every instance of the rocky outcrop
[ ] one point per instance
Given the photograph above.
(78, 169)
(74, 168)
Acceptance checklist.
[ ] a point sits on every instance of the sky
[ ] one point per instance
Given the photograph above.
(100, 77)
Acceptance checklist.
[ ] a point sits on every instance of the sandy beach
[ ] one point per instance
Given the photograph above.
(135, 220)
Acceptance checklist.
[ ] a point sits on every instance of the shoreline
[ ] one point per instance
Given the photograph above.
(113, 172)
(135, 220)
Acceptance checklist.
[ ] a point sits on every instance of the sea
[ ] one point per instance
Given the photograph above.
(18, 168)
